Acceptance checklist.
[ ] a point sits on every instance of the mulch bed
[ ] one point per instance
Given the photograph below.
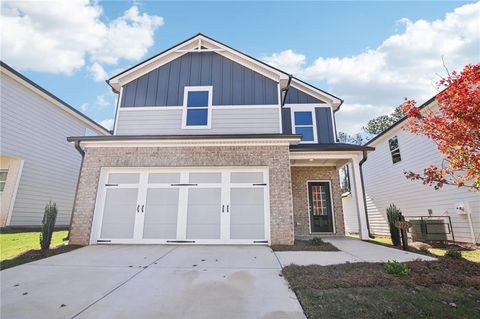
(304, 245)
(444, 271)
(36, 254)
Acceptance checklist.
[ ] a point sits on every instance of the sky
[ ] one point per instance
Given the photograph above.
(371, 54)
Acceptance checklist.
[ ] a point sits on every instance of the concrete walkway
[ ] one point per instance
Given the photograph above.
(351, 250)
(154, 281)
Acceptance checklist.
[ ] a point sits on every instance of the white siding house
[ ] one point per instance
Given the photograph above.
(37, 164)
(385, 183)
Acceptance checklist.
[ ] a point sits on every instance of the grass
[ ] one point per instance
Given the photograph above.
(446, 288)
(306, 245)
(467, 253)
(19, 247)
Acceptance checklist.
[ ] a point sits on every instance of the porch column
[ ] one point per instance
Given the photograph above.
(359, 199)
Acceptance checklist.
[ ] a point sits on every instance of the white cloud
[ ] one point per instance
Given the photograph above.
(60, 36)
(84, 107)
(97, 72)
(102, 101)
(108, 124)
(404, 65)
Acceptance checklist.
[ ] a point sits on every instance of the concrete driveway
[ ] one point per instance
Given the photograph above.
(150, 282)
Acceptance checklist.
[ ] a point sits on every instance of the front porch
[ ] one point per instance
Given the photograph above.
(317, 202)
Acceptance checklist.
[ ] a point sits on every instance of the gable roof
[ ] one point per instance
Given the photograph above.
(8, 70)
(203, 43)
(403, 119)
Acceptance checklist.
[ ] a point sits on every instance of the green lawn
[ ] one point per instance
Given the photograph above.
(13, 244)
(468, 254)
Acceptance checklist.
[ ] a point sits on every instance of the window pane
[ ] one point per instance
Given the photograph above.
(393, 143)
(3, 176)
(303, 118)
(197, 99)
(307, 133)
(2, 186)
(197, 117)
(396, 156)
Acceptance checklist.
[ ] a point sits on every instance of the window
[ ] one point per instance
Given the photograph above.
(303, 124)
(394, 149)
(3, 179)
(197, 102)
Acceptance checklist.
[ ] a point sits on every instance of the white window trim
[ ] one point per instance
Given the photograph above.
(304, 108)
(209, 107)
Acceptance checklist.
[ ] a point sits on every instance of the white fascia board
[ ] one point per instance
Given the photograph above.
(326, 155)
(187, 47)
(64, 108)
(327, 98)
(191, 143)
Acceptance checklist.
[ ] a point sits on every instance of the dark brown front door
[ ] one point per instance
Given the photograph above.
(320, 207)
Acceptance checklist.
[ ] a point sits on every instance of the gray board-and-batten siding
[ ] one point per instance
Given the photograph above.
(233, 83)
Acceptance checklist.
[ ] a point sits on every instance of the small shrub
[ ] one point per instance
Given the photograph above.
(454, 253)
(316, 241)
(396, 268)
(48, 225)
(393, 215)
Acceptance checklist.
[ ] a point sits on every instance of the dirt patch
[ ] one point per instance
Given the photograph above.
(445, 271)
(36, 254)
(304, 245)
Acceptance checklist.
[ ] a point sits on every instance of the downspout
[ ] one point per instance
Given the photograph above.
(286, 90)
(82, 153)
(364, 159)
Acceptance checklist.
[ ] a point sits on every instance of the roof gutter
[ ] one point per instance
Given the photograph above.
(82, 154)
(364, 159)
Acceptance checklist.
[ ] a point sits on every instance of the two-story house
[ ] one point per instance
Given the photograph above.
(212, 146)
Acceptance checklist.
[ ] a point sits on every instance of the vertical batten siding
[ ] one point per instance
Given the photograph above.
(385, 183)
(324, 125)
(296, 96)
(34, 130)
(224, 121)
(233, 84)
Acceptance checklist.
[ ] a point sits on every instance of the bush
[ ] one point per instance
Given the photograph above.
(393, 215)
(396, 268)
(316, 241)
(454, 253)
(48, 224)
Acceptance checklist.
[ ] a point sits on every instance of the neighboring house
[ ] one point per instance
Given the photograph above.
(397, 151)
(213, 146)
(37, 164)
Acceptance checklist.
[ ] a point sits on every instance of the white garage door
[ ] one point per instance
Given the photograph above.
(191, 205)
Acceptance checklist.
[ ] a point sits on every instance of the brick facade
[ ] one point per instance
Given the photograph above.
(300, 176)
(275, 157)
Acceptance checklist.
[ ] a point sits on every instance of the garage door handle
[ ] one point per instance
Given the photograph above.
(223, 208)
(143, 206)
(228, 207)
(138, 208)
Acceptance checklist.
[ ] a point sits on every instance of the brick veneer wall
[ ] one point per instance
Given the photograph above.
(300, 176)
(275, 157)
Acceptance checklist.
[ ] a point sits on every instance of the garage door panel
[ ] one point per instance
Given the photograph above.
(205, 177)
(247, 219)
(124, 178)
(203, 213)
(161, 213)
(119, 213)
(166, 178)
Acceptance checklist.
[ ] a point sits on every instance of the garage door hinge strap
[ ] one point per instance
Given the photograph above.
(260, 184)
(103, 241)
(260, 241)
(180, 184)
(111, 184)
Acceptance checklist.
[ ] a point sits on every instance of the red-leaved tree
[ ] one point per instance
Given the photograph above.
(454, 127)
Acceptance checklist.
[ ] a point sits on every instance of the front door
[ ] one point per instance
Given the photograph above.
(320, 207)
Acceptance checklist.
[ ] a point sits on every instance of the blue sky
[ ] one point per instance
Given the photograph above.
(365, 52)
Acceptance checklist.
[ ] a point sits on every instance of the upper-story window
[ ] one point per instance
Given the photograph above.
(394, 149)
(3, 179)
(304, 124)
(197, 101)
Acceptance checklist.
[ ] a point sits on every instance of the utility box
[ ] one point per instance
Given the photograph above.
(429, 229)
